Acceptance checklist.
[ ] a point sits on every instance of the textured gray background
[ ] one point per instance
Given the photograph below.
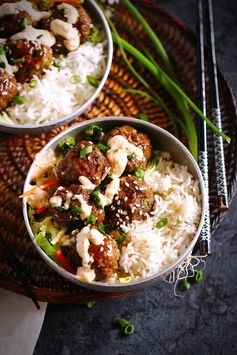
(204, 322)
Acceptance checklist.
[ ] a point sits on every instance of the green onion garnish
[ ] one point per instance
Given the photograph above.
(61, 209)
(143, 117)
(19, 100)
(85, 151)
(93, 36)
(66, 144)
(122, 238)
(91, 219)
(2, 65)
(90, 304)
(131, 156)
(76, 210)
(123, 322)
(75, 79)
(57, 66)
(128, 327)
(102, 229)
(162, 222)
(92, 81)
(198, 276)
(37, 52)
(96, 195)
(33, 83)
(23, 23)
(93, 132)
(2, 49)
(186, 285)
(102, 147)
(139, 173)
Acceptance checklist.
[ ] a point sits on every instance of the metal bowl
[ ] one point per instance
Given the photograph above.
(166, 142)
(100, 19)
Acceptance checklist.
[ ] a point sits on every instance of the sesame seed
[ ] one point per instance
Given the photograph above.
(101, 248)
(133, 209)
(118, 203)
(140, 212)
(127, 218)
(125, 198)
(137, 205)
(127, 184)
(117, 215)
(136, 188)
(116, 198)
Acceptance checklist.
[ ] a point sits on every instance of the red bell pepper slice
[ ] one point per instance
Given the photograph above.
(40, 210)
(44, 186)
(64, 262)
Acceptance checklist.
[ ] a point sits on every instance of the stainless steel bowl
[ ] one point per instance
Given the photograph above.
(166, 142)
(100, 19)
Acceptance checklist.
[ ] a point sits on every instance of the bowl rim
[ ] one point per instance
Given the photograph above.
(118, 287)
(86, 104)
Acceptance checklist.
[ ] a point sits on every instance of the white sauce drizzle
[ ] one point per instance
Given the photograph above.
(86, 209)
(68, 200)
(56, 201)
(30, 33)
(111, 190)
(70, 12)
(120, 148)
(84, 238)
(67, 31)
(86, 183)
(23, 5)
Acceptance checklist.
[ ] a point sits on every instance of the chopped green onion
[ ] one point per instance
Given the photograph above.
(102, 147)
(139, 173)
(131, 156)
(123, 322)
(19, 100)
(75, 79)
(61, 209)
(186, 285)
(90, 304)
(76, 210)
(93, 36)
(125, 279)
(43, 242)
(162, 222)
(66, 144)
(57, 66)
(129, 329)
(143, 117)
(23, 23)
(93, 132)
(33, 83)
(2, 65)
(85, 151)
(92, 81)
(102, 229)
(37, 52)
(96, 195)
(2, 49)
(91, 219)
(122, 238)
(198, 276)
(45, 5)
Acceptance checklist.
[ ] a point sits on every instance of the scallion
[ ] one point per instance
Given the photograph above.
(33, 83)
(91, 219)
(92, 81)
(96, 195)
(68, 143)
(76, 210)
(128, 327)
(143, 117)
(37, 52)
(2, 49)
(94, 132)
(102, 147)
(19, 100)
(185, 285)
(23, 23)
(90, 304)
(198, 276)
(162, 222)
(139, 173)
(61, 208)
(85, 151)
(102, 228)
(75, 79)
(93, 36)
(131, 156)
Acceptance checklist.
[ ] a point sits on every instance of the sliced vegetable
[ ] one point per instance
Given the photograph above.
(123, 322)
(68, 143)
(45, 5)
(64, 262)
(102, 229)
(161, 223)
(143, 117)
(139, 173)
(128, 327)
(40, 210)
(43, 242)
(85, 151)
(75, 79)
(37, 52)
(33, 83)
(102, 147)
(42, 187)
(151, 166)
(131, 156)
(92, 81)
(23, 23)
(76, 210)
(91, 219)
(93, 36)
(93, 132)
(122, 238)
(46, 226)
(61, 208)
(186, 285)
(90, 304)
(19, 100)
(96, 195)
(125, 279)
(2, 49)
(198, 276)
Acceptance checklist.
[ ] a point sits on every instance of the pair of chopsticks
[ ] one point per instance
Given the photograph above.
(18, 268)
(205, 21)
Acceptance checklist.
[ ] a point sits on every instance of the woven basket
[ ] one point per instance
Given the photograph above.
(17, 152)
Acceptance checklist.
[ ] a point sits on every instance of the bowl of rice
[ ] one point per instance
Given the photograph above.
(113, 204)
(54, 60)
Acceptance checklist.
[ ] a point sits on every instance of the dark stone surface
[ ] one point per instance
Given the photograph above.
(204, 321)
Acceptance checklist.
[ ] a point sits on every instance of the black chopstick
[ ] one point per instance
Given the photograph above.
(205, 236)
(216, 113)
(12, 260)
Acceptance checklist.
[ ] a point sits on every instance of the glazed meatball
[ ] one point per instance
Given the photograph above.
(70, 252)
(11, 24)
(93, 165)
(84, 24)
(139, 139)
(65, 206)
(132, 202)
(8, 89)
(105, 258)
(29, 57)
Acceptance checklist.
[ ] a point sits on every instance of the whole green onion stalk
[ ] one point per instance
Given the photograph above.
(166, 78)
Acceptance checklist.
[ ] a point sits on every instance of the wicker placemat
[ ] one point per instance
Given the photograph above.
(17, 152)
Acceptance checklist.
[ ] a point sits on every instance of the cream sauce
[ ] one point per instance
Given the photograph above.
(86, 183)
(23, 5)
(67, 31)
(70, 12)
(8, 68)
(30, 33)
(86, 209)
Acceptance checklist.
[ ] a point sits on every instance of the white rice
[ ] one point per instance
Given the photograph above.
(55, 96)
(178, 199)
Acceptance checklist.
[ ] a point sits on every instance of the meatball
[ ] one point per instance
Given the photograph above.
(11, 24)
(65, 206)
(92, 165)
(84, 24)
(139, 139)
(132, 202)
(105, 258)
(29, 57)
(8, 89)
